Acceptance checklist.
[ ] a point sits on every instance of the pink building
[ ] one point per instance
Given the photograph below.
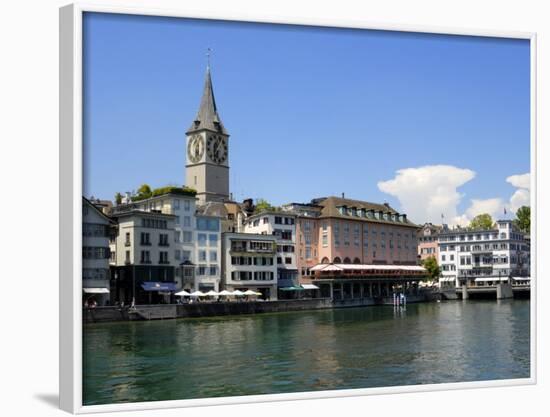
(344, 231)
(427, 241)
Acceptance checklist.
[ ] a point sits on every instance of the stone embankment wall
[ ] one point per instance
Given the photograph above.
(204, 309)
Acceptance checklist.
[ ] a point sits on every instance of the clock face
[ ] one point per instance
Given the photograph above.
(216, 149)
(195, 149)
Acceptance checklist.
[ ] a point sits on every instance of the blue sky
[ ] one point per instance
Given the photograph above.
(311, 111)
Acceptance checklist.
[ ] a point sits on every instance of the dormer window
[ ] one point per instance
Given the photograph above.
(354, 211)
(342, 210)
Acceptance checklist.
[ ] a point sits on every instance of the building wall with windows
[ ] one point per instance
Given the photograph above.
(307, 245)
(428, 241)
(483, 257)
(282, 225)
(183, 208)
(207, 253)
(249, 262)
(142, 250)
(353, 231)
(96, 229)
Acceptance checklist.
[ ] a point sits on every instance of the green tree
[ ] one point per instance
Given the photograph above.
(432, 267)
(263, 205)
(118, 198)
(144, 191)
(482, 221)
(523, 219)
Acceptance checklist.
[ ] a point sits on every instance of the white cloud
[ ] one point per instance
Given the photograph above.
(429, 191)
(520, 181)
(522, 196)
(492, 206)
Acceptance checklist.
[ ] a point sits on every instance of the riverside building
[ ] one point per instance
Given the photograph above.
(481, 258)
(249, 263)
(96, 229)
(428, 241)
(181, 204)
(282, 225)
(355, 249)
(208, 247)
(142, 257)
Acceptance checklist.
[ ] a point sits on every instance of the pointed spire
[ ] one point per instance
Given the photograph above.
(207, 116)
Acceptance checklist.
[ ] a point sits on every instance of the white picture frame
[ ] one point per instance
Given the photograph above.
(70, 204)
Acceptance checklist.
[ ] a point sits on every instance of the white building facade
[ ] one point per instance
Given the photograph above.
(142, 257)
(249, 263)
(96, 229)
(207, 253)
(183, 207)
(484, 257)
(282, 225)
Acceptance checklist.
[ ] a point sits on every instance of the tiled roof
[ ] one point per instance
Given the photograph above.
(331, 207)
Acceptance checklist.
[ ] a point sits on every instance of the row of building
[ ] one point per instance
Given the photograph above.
(146, 250)
(148, 247)
(477, 258)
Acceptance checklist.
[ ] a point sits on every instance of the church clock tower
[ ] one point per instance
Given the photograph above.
(207, 169)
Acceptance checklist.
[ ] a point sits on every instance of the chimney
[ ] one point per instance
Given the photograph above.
(343, 195)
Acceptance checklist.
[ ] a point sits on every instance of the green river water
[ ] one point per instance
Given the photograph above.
(366, 347)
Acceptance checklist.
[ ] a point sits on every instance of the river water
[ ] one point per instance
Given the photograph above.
(366, 347)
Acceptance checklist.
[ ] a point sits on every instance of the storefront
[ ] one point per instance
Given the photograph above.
(94, 297)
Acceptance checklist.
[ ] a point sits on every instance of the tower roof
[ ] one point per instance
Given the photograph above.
(207, 116)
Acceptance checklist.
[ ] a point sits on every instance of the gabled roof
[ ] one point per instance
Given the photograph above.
(207, 116)
(90, 204)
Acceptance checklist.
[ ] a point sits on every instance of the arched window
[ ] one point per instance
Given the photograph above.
(347, 261)
(337, 260)
(325, 260)
(356, 261)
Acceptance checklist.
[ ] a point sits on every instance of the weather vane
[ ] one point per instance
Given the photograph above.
(208, 53)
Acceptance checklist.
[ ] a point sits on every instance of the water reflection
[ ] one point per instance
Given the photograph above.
(304, 351)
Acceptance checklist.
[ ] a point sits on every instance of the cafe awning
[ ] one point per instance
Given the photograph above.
(491, 279)
(292, 289)
(521, 278)
(310, 287)
(158, 286)
(96, 290)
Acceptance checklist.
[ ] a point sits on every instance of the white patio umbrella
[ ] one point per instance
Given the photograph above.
(198, 294)
(238, 293)
(250, 292)
(212, 293)
(182, 293)
(225, 292)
